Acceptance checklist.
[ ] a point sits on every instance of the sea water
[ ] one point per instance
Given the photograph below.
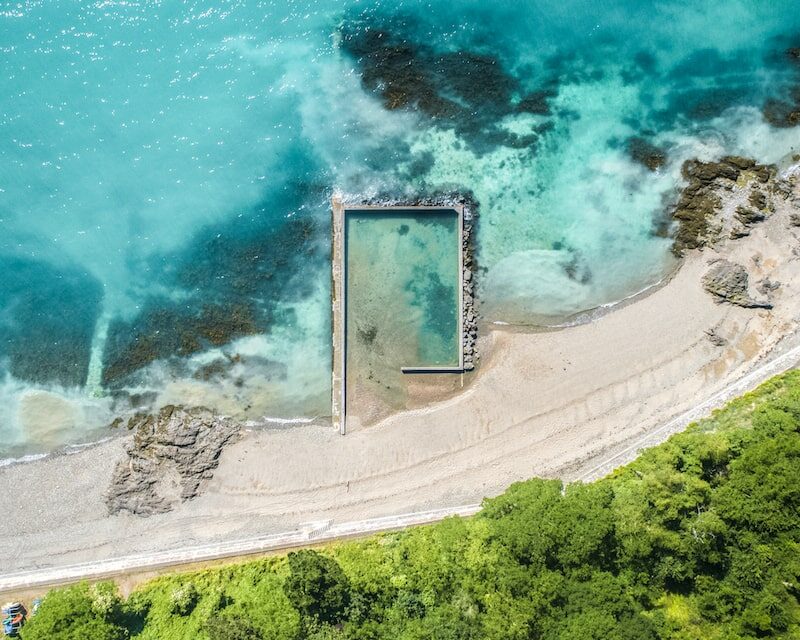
(166, 169)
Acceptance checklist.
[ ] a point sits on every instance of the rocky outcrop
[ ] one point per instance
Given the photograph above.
(700, 201)
(171, 454)
(729, 282)
(470, 321)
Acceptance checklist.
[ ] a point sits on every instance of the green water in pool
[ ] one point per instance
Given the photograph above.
(402, 288)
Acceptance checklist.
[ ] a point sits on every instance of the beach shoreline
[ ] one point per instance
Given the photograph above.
(549, 403)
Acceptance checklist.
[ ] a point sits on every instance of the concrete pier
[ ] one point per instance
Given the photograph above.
(339, 318)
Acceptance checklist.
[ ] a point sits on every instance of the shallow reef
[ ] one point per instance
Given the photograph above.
(467, 90)
(231, 278)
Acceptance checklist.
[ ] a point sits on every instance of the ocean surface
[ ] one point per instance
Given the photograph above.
(166, 170)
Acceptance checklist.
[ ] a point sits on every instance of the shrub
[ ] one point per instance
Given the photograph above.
(183, 599)
(73, 612)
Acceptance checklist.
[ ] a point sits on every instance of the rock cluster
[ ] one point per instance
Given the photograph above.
(699, 201)
(470, 324)
(172, 452)
(728, 282)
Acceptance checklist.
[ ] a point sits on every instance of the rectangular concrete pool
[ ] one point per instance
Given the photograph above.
(397, 294)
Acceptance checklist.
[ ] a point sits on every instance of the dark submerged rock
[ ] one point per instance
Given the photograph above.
(646, 153)
(48, 315)
(537, 102)
(231, 278)
(171, 454)
(729, 282)
(168, 331)
(466, 90)
(781, 113)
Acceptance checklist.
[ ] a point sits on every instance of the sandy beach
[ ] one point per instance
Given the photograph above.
(542, 404)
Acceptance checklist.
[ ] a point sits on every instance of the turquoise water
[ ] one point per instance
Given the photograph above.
(166, 168)
(402, 290)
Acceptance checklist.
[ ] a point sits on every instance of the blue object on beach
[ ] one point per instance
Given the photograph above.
(13, 618)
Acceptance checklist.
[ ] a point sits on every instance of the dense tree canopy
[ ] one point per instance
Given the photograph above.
(698, 538)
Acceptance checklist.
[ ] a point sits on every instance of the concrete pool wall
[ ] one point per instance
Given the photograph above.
(464, 329)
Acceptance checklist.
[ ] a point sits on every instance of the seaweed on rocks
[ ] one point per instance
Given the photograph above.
(465, 90)
(165, 329)
(758, 199)
(748, 216)
(699, 200)
(171, 454)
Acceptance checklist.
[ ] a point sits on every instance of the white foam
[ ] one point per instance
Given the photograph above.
(275, 420)
(7, 462)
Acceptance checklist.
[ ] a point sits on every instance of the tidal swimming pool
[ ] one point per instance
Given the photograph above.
(402, 289)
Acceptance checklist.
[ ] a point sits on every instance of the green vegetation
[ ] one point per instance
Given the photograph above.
(698, 538)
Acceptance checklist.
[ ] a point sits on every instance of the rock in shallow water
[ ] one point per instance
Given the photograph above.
(171, 454)
(646, 153)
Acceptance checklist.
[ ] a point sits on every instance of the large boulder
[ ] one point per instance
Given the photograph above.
(172, 452)
(728, 282)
